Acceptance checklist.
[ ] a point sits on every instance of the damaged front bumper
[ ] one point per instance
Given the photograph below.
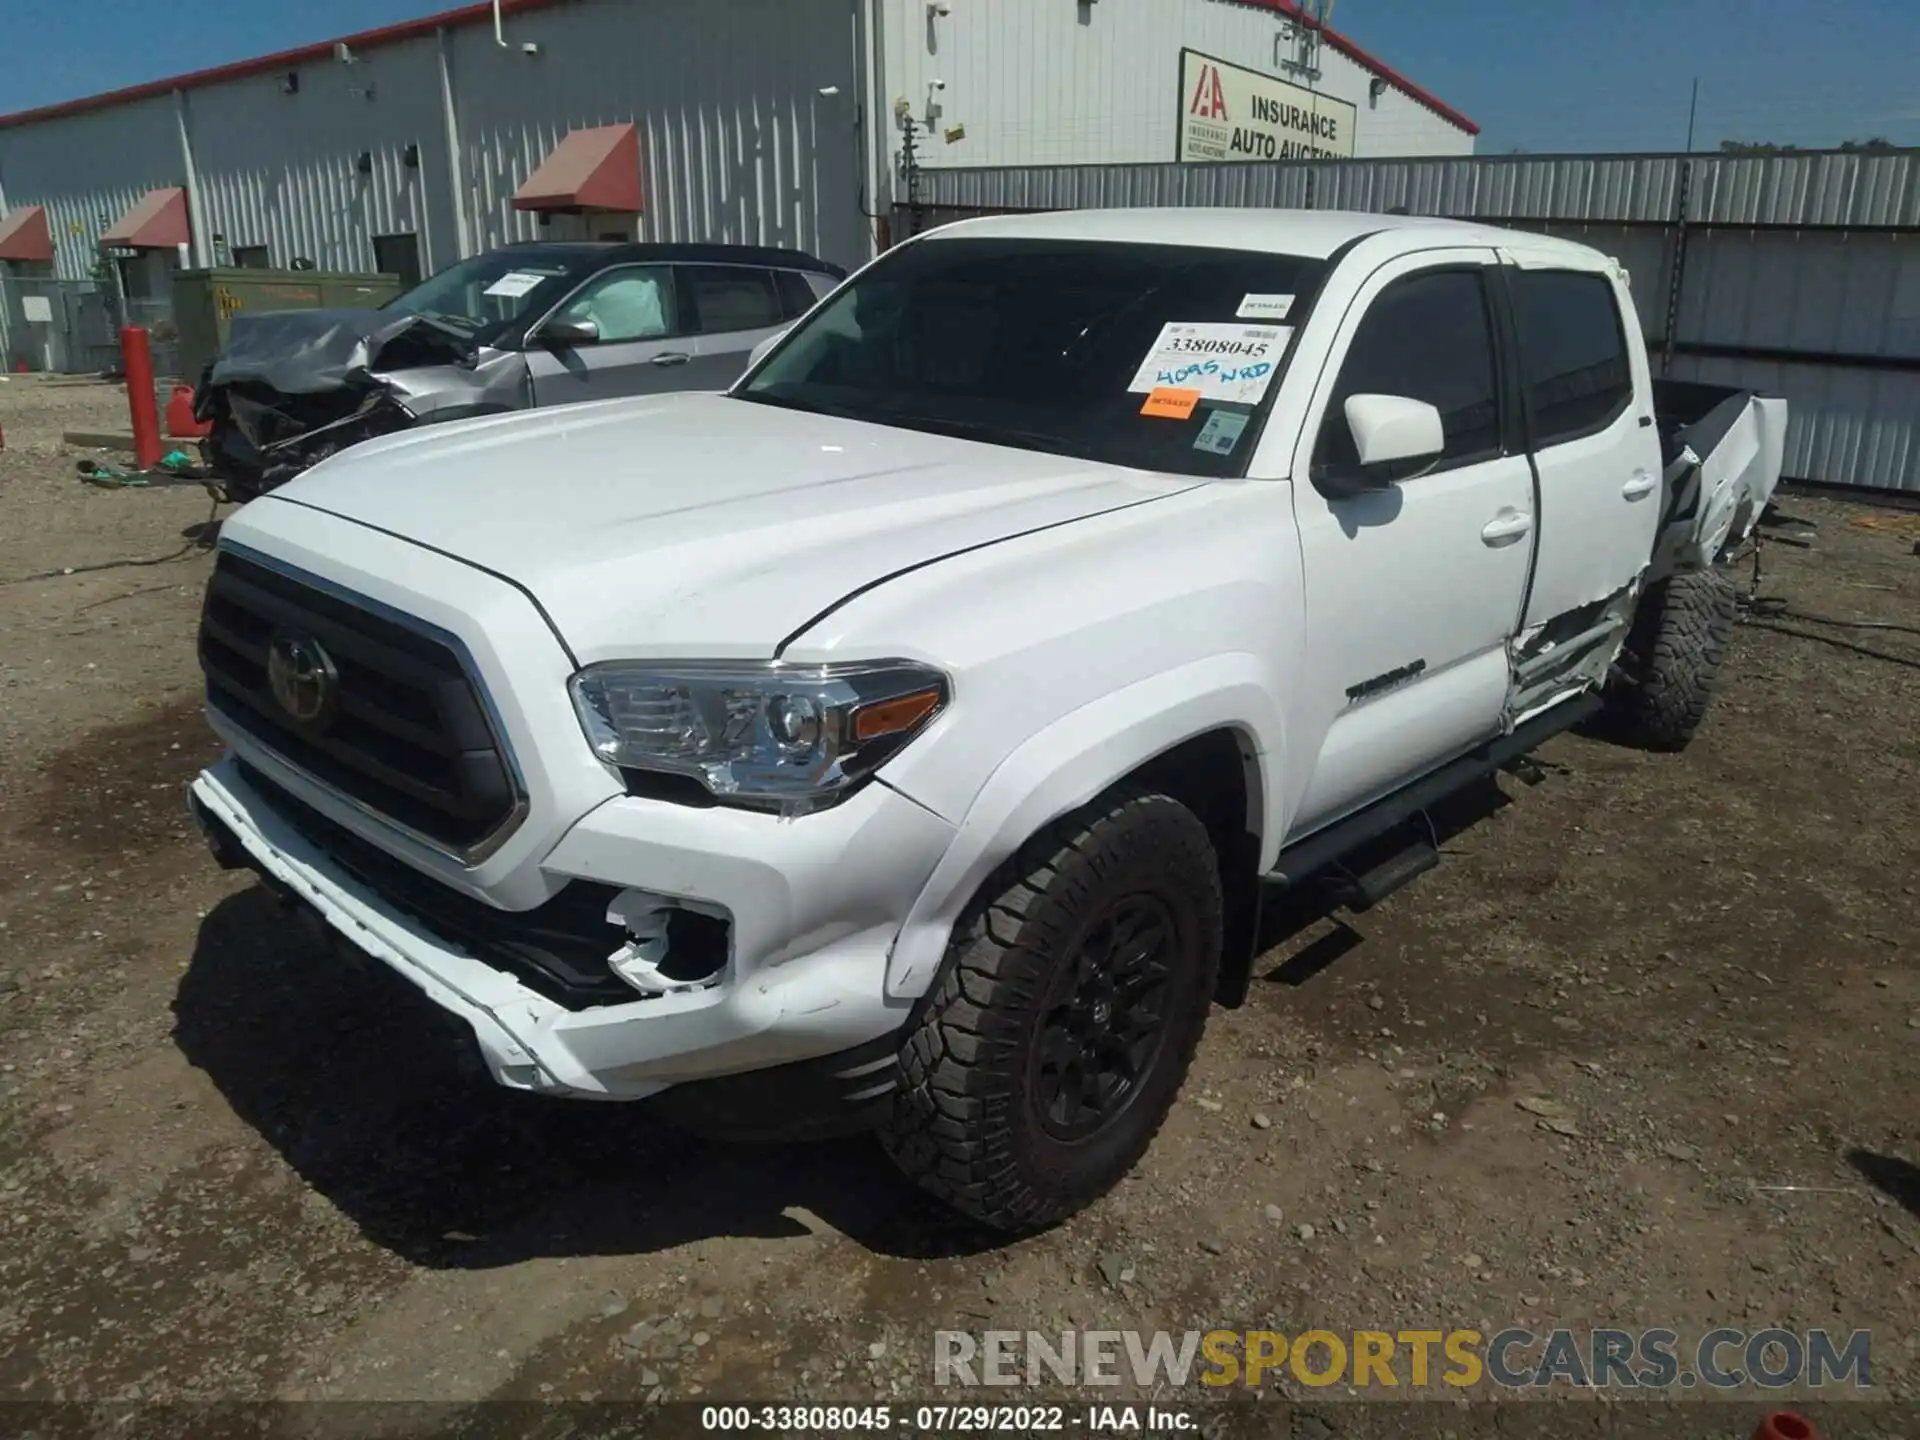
(778, 1036)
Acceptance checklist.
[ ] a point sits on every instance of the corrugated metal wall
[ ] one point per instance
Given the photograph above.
(1798, 274)
(737, 141)
(284, 170)
(117, 156)
(1827, 188)
(1032, 81)
(1848, 426)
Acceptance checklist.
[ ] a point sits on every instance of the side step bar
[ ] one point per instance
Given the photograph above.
(1316, 851)
(1360, 893)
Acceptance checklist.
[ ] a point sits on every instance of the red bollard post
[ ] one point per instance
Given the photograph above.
(141, 402)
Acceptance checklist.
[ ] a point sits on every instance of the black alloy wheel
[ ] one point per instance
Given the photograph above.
(1044, 1058)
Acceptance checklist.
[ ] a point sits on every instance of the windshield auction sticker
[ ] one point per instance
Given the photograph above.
(1264, 307)
(515, 283)
(1221, 432)
(1170, 404)
(1230, 363)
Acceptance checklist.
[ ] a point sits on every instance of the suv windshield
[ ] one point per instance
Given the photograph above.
(483, 296)
(1155, 356)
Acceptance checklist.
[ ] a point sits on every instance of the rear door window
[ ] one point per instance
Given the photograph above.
(796, 296)
(728, 298)
(1573, 352)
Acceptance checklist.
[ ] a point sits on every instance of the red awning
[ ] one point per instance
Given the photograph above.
(24, 234)
(589, 170)
(157, 221)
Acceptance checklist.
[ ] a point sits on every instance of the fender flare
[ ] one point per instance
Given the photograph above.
(1070, 762)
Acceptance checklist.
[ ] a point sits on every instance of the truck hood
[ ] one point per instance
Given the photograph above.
(696, 525)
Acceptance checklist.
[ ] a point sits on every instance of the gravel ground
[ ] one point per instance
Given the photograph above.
(1641, 1052)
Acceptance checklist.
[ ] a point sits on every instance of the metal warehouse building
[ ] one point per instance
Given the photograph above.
(783, 122)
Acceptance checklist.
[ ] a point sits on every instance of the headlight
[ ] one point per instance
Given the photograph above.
(786, 737)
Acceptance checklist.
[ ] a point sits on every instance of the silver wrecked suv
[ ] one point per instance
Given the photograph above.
(517, 328)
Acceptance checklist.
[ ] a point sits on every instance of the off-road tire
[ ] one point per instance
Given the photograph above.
(965, 1122)
(1672, 660)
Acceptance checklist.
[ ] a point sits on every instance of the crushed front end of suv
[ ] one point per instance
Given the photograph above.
(518, 328)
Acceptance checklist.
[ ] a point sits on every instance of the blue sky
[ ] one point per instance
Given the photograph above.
(1542, 75)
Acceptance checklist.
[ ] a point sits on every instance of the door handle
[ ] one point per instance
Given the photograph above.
(1509, 526)
(1641, 484)
(672, 357)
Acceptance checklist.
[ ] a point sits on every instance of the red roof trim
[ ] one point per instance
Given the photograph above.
(279, 60)
(1360, 57)
(25, 235)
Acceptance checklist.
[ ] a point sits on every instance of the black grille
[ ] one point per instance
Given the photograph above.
(407, 735)
(558, 949)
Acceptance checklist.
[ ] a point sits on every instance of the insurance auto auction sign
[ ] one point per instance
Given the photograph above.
(1229, 113)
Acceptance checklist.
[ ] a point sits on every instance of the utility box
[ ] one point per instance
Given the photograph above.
(205, 302)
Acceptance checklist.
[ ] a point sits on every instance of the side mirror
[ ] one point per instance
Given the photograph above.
(569, 332)
(1389, 428)
(1392, 436)
(759, 352)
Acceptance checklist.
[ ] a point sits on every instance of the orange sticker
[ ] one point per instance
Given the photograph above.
(1166, 403)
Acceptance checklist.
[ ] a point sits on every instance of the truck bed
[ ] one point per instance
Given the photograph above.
(1722, 449)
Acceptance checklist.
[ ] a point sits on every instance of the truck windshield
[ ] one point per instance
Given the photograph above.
(1153, 356)
(484, 295)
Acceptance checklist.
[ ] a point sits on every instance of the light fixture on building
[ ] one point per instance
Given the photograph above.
(343, 52)
(410, 157)
(1377, 87)
(290, 83)
(364, 162)
(528, 47)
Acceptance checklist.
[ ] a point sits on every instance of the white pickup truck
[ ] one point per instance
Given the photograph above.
(904, 739)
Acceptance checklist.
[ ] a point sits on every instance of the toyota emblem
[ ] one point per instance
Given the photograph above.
(301, 675)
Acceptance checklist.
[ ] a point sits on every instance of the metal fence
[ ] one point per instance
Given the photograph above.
(42, 323)
(1797, 274)
(72, 327)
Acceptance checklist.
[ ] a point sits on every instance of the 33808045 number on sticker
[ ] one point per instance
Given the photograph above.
(1230, 363)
